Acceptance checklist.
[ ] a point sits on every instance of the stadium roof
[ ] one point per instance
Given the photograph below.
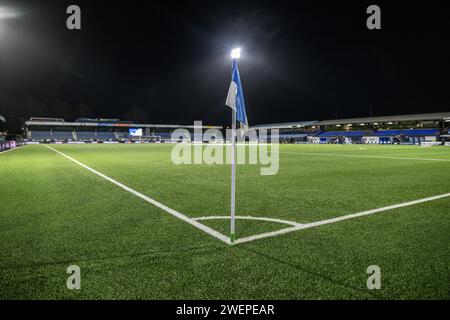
(382, 119)
(285, 125)
(107, 124)
(399, 118)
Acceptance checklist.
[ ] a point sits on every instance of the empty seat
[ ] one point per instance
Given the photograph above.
(106, 136)
(62, 135)
(40, 135)
(92, 135)
(345, 133)
(408, 132)
(86, 135)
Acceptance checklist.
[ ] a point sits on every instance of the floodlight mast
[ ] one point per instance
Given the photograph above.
(235, 55)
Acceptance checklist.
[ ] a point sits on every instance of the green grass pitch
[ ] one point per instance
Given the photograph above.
(55, 213)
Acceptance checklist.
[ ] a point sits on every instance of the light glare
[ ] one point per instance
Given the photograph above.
(8, 13)
(236, 53)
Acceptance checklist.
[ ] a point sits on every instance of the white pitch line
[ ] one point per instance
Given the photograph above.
(338, 219)
(218, 235)
(268, 234)
(171, 211)
(362, 156)
(292, 223)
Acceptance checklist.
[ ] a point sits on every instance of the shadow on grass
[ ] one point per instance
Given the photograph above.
(130, 258)
(313, 273)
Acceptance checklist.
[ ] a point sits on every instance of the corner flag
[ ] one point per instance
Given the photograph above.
(235, 98)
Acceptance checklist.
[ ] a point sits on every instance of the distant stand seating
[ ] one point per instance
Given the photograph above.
(326, 134)
(391, 136)
(292, 135)
(91, 135)
(41, 135)
(408, 132)
(86, 135)
(122, 135)
(106, 136)
(162, 135)
(62, 135)
(168, 135)
(48, 135)
(69, 135)
(381, 133)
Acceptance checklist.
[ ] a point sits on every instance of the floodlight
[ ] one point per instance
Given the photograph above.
(236, 53)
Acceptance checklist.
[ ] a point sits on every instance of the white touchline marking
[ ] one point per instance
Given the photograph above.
(173, 212)
(292, 223)
(338, 219)
(361, 156)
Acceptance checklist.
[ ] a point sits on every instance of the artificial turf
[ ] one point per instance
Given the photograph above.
(54, 213)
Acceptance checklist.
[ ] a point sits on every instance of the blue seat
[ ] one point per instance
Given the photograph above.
(86, 135)
(408, 132)
(62, 135)
(40, 135)
(344, 133)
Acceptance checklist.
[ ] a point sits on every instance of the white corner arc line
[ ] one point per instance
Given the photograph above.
(338, 219)
(171, 211)
(292, 223)
(362, 156)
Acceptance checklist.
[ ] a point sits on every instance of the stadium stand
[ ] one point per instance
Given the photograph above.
(41, 135)
(40, 119)
(62, 135)
(344, 134)
(92, 135)
(396, 129)
(399, 129)
(98, 130)
(162, 135)
(48, 135)
(86, 135)
(408, 132)
(106, 136)
(293, 136)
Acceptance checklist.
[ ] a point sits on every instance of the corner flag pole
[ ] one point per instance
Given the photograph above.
(235, 100)
(233, 175)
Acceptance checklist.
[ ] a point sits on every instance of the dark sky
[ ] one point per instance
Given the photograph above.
(301, 60)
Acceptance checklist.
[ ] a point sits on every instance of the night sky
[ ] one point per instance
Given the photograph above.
(169, 61)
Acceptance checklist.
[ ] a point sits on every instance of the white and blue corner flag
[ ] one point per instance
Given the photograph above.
(235, 98)
(2, 118)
